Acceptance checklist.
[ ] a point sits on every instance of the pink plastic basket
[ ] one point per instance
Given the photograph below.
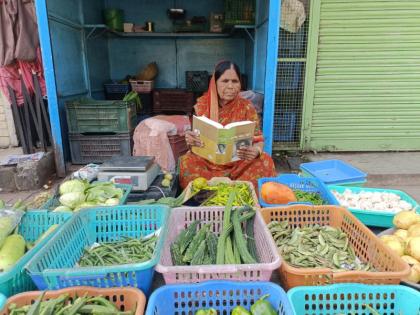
(180, 218)
(142, 86)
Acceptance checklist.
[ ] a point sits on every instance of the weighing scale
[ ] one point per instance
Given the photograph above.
(139, 171)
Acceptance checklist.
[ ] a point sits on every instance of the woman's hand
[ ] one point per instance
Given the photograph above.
(193, 139)
(249, 153)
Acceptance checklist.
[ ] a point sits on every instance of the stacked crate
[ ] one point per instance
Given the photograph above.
(99, 130)
(169, 101)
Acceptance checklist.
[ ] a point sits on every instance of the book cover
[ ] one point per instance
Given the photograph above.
(220, 143)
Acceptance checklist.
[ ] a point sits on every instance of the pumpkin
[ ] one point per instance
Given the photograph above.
(149, 73)
(275, 193)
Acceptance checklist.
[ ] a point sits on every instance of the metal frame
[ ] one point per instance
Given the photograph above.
(47, 58)
(51, 86)
(271, 73)
(311, 60)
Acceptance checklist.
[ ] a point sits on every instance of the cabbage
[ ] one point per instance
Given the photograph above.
(102, 191)
(112, 202)
(72, 199)
(74, 185)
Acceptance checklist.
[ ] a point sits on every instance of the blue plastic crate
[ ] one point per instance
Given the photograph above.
(223, 296)
(54, 265)
(284, 127)
(31, 227)
(334, 172)
(53, 202)
(351, 298)
(295, 182)
(116, 91)
(292, 45)
(289, 75)
(374, 217)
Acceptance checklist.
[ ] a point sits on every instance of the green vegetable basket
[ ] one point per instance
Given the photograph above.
(352, 298)
(55, 265)
(53, 202)
(31, 227)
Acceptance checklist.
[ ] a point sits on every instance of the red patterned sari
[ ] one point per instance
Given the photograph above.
(193, 166)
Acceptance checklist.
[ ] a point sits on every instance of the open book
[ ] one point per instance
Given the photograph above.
(220, 144)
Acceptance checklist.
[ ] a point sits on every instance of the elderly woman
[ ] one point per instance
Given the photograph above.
(222, 103)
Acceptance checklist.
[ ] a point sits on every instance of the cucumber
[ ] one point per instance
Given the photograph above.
(13, 249)
(6, 227)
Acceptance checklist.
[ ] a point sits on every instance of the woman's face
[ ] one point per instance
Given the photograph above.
(228, 85)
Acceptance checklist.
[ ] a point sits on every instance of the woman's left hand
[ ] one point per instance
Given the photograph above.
(248, 153)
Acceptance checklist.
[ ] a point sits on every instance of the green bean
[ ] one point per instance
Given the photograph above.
(316, 246)
(125, 251)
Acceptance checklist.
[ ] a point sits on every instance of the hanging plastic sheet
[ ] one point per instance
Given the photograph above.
(292, 15)
(19, 47)
(18, 31)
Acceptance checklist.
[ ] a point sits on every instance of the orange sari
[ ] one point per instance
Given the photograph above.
(239, 109)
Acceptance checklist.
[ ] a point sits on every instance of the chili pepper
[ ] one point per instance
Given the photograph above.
(209, 311)
(239, 310)
(263, 307)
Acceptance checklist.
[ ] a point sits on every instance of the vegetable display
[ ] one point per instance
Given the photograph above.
(276, 193)
(316, 247)
(12, 245)
(260, 307)
(133, 96)
(203, 247)
(166, 181)
(405, 241)
(367, 200)
(11, 251)
(313, 198)
(127, 251)
(243, 194)
(76, 194)
(64, 305)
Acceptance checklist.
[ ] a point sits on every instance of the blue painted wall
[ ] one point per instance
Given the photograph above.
(261, 45)
(97, 48)
(173, 56)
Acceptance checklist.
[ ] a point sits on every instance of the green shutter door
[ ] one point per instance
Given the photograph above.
(363, 83)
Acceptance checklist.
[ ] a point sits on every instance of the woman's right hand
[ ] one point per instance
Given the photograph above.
(193, 139)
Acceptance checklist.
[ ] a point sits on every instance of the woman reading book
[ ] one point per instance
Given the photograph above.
(223, 104)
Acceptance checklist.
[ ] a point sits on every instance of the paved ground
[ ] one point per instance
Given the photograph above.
(396, 170)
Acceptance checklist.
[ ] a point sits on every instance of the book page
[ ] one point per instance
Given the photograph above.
(209, 121)
(240, 144)
(220, 145)
(238, 123)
